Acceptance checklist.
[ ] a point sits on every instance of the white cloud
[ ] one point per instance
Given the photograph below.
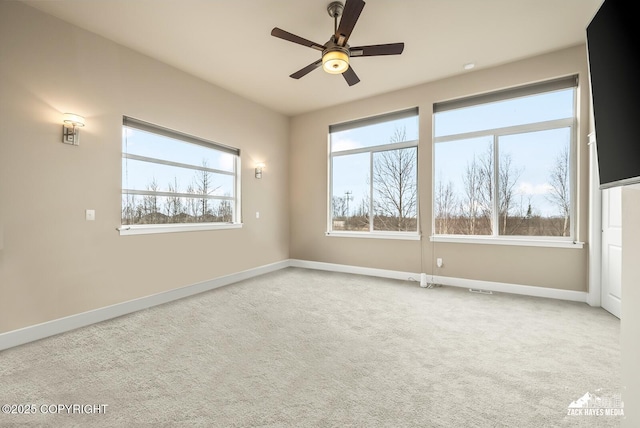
(526, 188)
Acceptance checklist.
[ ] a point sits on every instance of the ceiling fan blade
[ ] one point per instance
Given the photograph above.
(350, 15)
(350, 76)
(285, 35)
(375, 50)
(306, 70)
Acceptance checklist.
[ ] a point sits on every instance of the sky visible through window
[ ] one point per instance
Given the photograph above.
(533, 155)
(173, 178)
(530, 156)
(351, 172)
(517, 111)
(138, 175)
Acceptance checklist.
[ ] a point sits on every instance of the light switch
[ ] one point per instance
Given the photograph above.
(257, 214)
(90, 215)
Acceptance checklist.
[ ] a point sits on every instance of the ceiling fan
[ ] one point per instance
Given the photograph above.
(336, 52)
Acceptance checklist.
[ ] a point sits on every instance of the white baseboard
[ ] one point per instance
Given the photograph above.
(526, 290)
(72, 322)
(501, 287)
(358, 270)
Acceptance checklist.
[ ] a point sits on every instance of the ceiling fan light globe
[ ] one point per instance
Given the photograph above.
(335, 62)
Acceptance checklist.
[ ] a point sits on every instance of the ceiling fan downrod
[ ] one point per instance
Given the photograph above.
(335, 9)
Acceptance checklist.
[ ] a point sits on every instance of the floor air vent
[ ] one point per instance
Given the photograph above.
(478, 290)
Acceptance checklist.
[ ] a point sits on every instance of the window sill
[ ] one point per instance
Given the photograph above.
(519, 241)
(409, 236)
(144, 229)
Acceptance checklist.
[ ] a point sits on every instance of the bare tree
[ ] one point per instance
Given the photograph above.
(362, 209)
(560, 192)
(338, 207)
(204, 186)
(360, 219)
(130, 213)
(445, 206)
(225, 211)
(394, 183)
(151, 206)
(486, 184)
(173, 204)
(470, 205)
(508, 176)
(480, 191)
(191, 204)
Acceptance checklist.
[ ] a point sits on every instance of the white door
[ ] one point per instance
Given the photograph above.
(612, 250)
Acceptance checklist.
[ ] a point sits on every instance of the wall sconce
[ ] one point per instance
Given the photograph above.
(69, 128)
(259, 167)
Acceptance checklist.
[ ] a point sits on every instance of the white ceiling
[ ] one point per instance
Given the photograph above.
(228, 43)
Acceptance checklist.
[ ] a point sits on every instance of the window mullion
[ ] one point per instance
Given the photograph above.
(379, 148)
(176, 195)
(371, 215)
(496, 187)
(236, 205)
(507, 130)
(330, 187)
(176, 164)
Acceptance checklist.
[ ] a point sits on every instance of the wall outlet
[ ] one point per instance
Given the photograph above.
(90, 215)
(439, 262)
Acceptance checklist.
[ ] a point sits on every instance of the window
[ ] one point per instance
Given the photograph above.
(504, 163)
(176, 182)
(373, 176)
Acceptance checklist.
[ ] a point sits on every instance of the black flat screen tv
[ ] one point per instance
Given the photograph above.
(612, 46)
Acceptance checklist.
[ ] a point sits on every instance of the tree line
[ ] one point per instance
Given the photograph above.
(466, 211)
(470, 211)
(152, 208)
(395, 193)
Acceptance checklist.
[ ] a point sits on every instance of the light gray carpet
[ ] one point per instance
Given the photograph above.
(305, 348)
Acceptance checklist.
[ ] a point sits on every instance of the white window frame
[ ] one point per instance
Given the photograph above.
(379, 234)
(495, 238)
(141, 229)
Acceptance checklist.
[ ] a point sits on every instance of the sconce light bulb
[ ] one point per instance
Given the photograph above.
(74, 120)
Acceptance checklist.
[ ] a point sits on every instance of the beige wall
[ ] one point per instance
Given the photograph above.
(630, 316)
(547, 267)
(53, 262)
